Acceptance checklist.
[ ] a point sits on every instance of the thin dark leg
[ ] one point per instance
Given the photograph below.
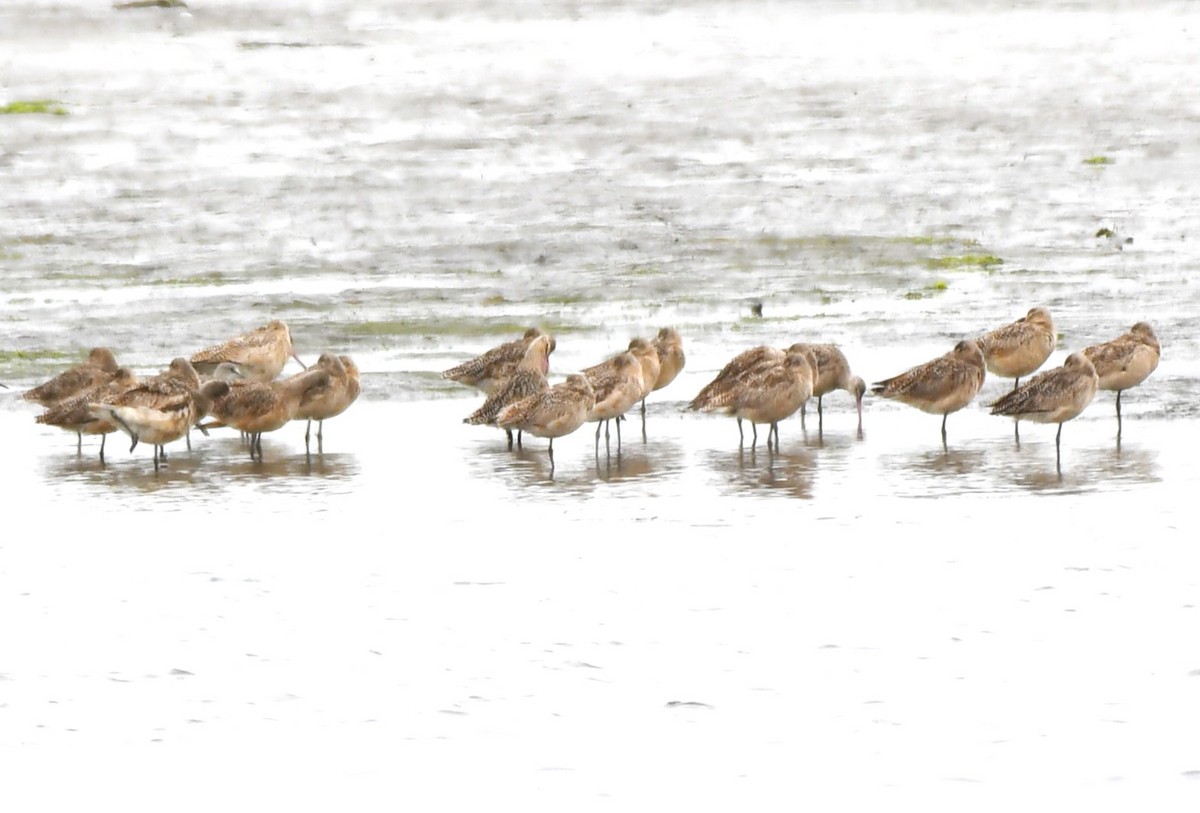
(820, 416)
(944, 417)
(1058, 450)
(308, 429)
(103, 438)
(79, 435)
(258, 445)
(188, 435)
(508, 434)
(518, 438)
(1016, 383)
(741, 437)
(803, 410)
(618, 434)
(754, 429)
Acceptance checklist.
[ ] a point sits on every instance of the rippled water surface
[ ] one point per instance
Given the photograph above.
(418, 616)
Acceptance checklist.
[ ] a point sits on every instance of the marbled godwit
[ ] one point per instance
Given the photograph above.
(323, 403)
(833, 373)
(1055, 396)
(73, 414)
(647, 355)
(99, 368)
(1020, 347)
(528, 379)
(944, 385)
(766, 390)
(254, 407)
(742, 365)
(180, 378)
(671, 359)
(164, 423)
(1125, 362)
(489, 371)
(551, 413)
(260, 354)
(617, 385)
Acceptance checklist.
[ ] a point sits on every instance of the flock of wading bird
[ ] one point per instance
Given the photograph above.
(233, 384)
(765, 385)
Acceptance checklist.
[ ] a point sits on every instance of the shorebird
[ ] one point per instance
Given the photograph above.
(318, 404)
(669, 345)
(739, 367)
(167, 421)
(260, 354)
(552, 413)
(488, 372)
(99, 367)
(1019, 348)
(180, 378)
(1126, 361)
(73, 414)
(647, 355)
(833, 373)
(944, 385)
(1055, 396)
(761, 387)
(529, 378)
(618, 385)
(255, 407)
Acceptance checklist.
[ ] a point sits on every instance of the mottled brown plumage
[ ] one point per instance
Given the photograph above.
(1020, 347)
(552, 413)
(761, 387)
(321, 403)
(489, 371)
(178, 379)
(747, 363)
(944, 385)
(833, 373)
(255, 407)
(617, 384)
(99, 368)
(260, 354)
(1126, 361)
(169, 420)
(73, 414)
(1055, 396)
(528, 379)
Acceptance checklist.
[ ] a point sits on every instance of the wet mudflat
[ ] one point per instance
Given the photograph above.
(418, 616)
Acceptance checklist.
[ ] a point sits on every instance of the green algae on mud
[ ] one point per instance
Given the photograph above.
(50, 107)
(987, 262)
(1098, 161)
(32, 107)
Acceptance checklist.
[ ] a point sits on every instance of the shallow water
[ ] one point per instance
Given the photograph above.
(418, 615)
